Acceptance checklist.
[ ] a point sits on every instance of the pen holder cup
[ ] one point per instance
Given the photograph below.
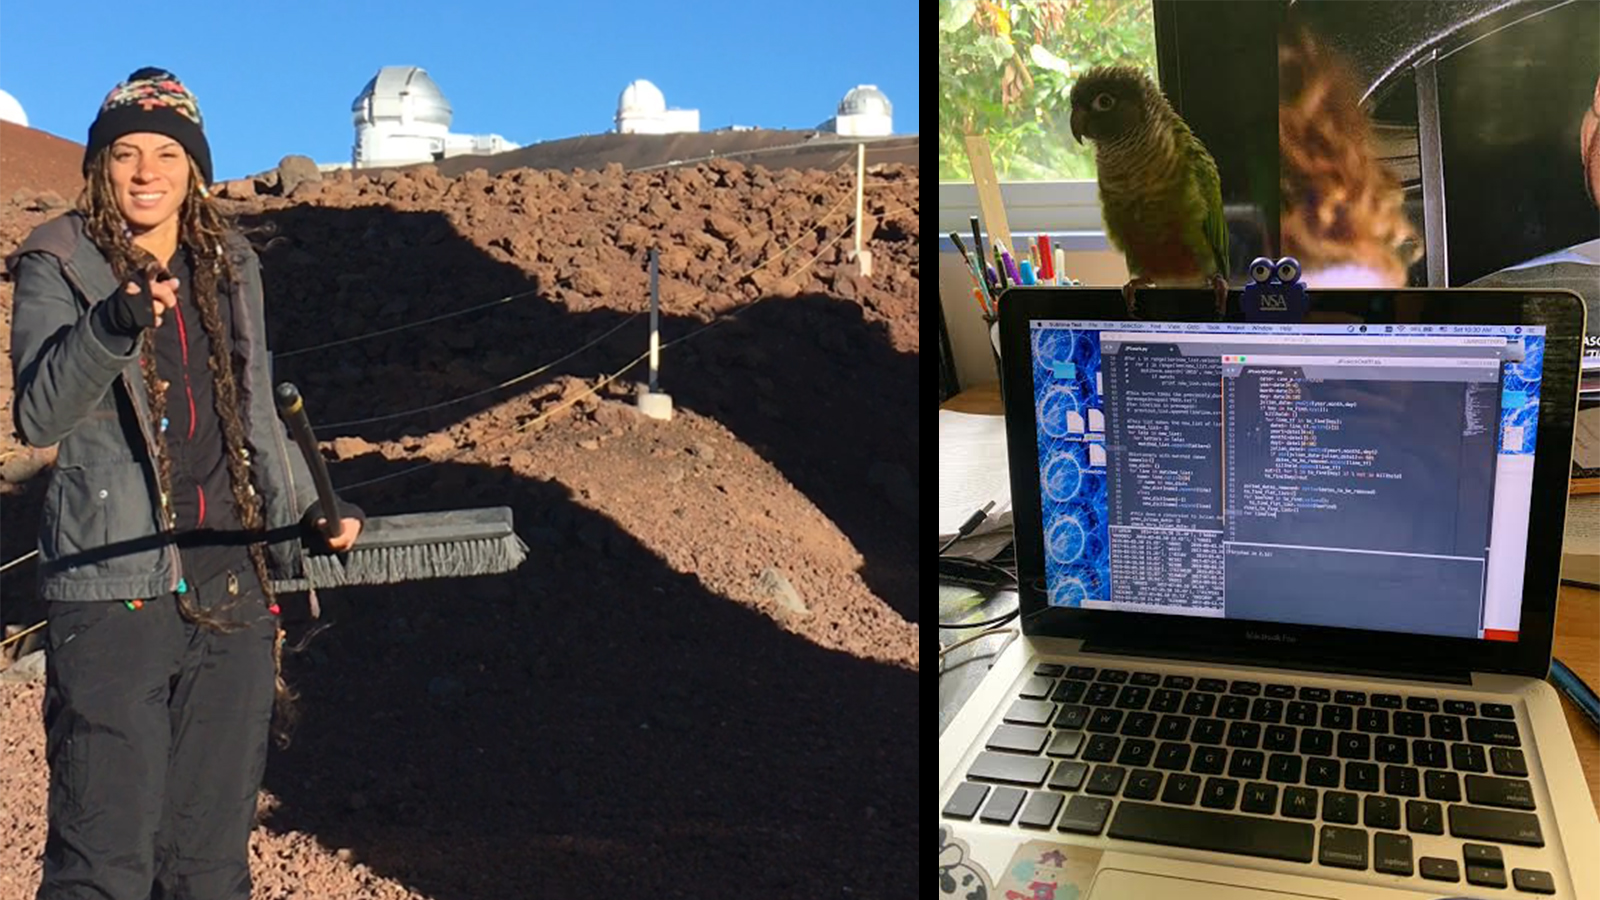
(993, 323)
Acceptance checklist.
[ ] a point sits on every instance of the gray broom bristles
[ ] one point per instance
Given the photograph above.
(415, 546)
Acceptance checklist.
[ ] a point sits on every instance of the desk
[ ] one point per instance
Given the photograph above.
(1577, 640)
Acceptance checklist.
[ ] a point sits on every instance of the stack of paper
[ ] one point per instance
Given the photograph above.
(972, 472)
(1580, 556)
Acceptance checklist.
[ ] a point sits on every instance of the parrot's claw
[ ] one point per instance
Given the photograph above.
(1128, 291)
(1220, 284)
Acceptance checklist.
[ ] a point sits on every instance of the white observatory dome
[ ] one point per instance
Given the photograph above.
(865, 99)
(641, 98)
(11, 110)
(404, 93)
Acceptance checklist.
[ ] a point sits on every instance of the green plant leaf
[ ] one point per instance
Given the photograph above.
(1044, 59)
(960, 13)
(999, 49)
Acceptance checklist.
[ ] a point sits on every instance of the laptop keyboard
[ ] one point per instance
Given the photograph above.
(1347, 776)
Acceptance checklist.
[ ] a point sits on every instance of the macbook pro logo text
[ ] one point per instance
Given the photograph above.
(1276, 637)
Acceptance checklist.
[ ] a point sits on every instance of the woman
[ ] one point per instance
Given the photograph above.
(139, 348)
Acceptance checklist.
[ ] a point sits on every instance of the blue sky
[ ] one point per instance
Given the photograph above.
(278, 78)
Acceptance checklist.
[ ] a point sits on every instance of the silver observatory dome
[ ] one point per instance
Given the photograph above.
(865, 99)
(397, 91)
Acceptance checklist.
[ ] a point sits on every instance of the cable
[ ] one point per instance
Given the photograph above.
(373, 334)
(22, 634)
(23, 558)
(972, 522)
(977, 637)
(997, 620)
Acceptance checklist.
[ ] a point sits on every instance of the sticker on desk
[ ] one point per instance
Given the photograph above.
(960, 876)
(1043, 870)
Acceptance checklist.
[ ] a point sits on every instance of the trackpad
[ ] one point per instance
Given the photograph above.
(1118, 884)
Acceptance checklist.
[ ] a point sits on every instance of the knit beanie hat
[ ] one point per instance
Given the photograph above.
(151, 100)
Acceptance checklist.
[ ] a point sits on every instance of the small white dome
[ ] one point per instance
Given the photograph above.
(865, 99)
(399, 90)
(641, 98)
(11, 110)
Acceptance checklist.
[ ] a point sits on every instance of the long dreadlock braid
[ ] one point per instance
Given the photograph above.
(202, 229)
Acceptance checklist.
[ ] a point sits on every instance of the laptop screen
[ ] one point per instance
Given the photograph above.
(1357, 476)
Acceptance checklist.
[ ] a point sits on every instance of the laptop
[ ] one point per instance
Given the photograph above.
(1287, 589)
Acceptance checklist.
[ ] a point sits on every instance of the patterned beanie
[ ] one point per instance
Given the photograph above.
(151, 100)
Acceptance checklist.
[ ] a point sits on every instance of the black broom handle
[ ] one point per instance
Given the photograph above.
(293, 411)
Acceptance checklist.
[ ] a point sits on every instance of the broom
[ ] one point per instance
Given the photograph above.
(407, 547)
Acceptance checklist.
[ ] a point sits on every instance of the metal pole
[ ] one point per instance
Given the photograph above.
(655, 322)
(861, 172)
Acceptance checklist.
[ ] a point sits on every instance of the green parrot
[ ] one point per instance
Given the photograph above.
(1159, 190)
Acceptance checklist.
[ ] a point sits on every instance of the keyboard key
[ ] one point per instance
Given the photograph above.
(1143, 785)
(1215, 831)
(1165, 701)
(1233, 707)
(1101, 748)
(965, 801)
(1132, 697)
(1069, 691)
(1390, 750)
(1246, 688)
(1244, 734)
(1422, 704)
(1468, 758)
(1266, 710)
(1085, 814)
(1173, 728)
(1373, 721)
(1337, 718)
(1009, 768)
(1339, 806)
(1354, 746)
(1139, 724)
(1322, 772)
(1049, 670)
(1280, 691)
(1030, 712)
(1106, 780)
(1483, 855)
(1246, 764)
(1259, 798)
(1386, 701)
(1498, 711)
(1065, 743)
(1424, 817)
(1439, 869)
(1360, 776)
(1298, 713)
(1209, 760)
(1533, 881)
(1343, 847)
(1113, 676)
(1283, 768)
(1101, 694)
(1461, 707)
(1409, 724)
(1181, 789)
(1037, 687)
(1316, 742)
(1444, 728)
(1314, 695)
(1178, 682)
(1136, 752)
(1506, 762)
(1299, 803)
(1081, 673)
(1428, 753)
(1444, 786)
(1105, 720)
(1350, 698)
(1041, 810)
(1485, 790)
(1145, 679)
(1278, 738)
(1072, 717)
(1173, 756)
(1391, 854)
(1212, 685)
(1486, 876)
(1003, 805)
(1199, 704)
(1207, 731)
(1492, 731)
(1380, 812)
(1400, 781)
(1018, 739)
(1068, 776)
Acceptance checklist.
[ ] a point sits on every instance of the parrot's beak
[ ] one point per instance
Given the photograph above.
(1077, 125)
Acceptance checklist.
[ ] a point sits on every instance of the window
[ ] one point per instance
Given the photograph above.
(1006, 70)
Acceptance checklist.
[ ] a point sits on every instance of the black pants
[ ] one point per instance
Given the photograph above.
(156, 732)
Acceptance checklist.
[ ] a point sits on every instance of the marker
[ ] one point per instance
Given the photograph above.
(992, 278)
(956, 239)
(1000, 265)
(1026, 272)
(1046, 271)
(977, 238)
(1060, 266)
(1011, 268)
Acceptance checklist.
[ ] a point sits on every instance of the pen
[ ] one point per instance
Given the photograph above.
(1010, 263)
(977, 238)
(1061, 266)
(1000, 265)
(987, 301)
(991, 277)
(956, 239)
(1026, 271)
(1579, 693)
(1047, 272)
